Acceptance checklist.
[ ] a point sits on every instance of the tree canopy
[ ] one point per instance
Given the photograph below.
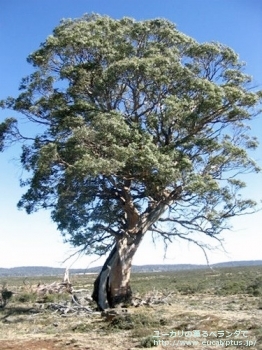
(140, 128)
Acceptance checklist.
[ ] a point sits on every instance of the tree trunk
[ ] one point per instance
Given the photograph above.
(112, 286)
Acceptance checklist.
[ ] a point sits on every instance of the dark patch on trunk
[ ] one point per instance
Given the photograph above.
(95, 294)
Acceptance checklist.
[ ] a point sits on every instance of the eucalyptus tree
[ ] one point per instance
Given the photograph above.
(138, 128)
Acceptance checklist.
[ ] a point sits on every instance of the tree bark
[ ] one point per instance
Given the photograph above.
(112, 286)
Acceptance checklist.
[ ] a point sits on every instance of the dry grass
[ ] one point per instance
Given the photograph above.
(228, 301)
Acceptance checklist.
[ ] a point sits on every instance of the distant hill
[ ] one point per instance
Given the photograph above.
(36, 271)
(28, 271)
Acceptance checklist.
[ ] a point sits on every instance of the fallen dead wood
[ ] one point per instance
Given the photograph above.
(151, 299)
(53, 288)
(69, 308)
(83, 290)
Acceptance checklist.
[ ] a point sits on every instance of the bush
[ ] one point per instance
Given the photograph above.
(230, 287)
(186, 289)
(255, 288)
(26, 297)
(148, 342)
(122, 322)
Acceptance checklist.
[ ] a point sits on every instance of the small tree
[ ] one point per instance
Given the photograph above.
(141, 130)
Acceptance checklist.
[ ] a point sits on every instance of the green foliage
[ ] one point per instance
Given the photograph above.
(148, 342)
(186, 289)
(231, 287)
(222, 281)
(137, 322)
(55, 297)
(81, 327)
(122, 322)
(134, 116)
(255, 288)
(26, 297)
(6, 131)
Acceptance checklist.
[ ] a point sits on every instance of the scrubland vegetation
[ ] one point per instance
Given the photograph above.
(225, 299)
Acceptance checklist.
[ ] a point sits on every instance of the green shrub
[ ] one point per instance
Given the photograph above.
(81, 327)
(186, 289)
(26, 297)
(122, 322)
(230, 288)
(255, 288)
(56, 297)
(148, 342)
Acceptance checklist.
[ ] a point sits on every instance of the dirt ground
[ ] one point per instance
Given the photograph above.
(79, 342)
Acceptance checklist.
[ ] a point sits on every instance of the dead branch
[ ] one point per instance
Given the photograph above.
(53, 288)
(66, 276)
(74, 308)
(153, 298)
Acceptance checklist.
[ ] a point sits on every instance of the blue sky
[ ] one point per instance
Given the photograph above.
(34, 240)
